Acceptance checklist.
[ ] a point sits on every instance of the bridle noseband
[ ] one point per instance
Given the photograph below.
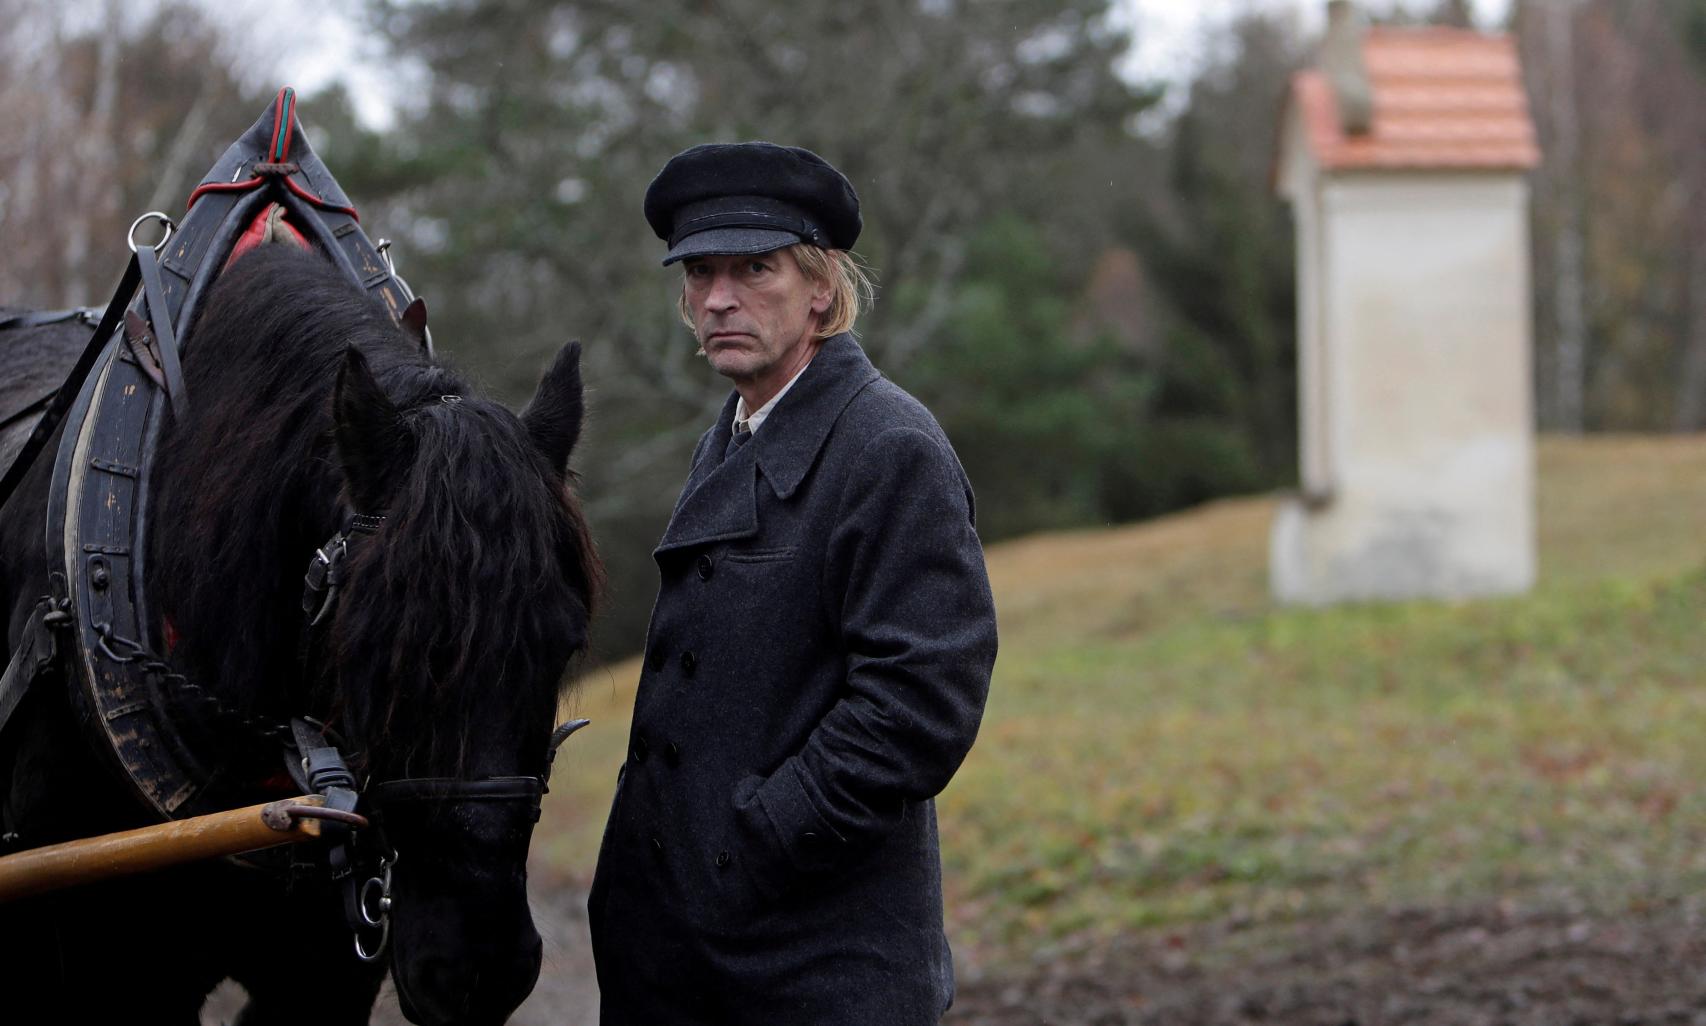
(484, 789)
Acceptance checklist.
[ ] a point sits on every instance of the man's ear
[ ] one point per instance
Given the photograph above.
(553, 417)
(372, 440)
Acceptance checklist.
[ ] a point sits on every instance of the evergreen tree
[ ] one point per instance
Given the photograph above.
(517, 174)
(1219, 242)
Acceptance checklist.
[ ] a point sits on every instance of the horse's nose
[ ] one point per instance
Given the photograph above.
(476, 990)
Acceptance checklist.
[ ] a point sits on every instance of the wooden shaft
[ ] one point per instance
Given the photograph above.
(40, 870)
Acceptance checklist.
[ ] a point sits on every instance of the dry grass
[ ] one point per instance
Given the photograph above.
(1162, 744)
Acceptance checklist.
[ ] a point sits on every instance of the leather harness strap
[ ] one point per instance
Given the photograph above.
(160, 318)
(29, 409)
(143, 266)
(67, 393)
(40, 318)
(37, 651)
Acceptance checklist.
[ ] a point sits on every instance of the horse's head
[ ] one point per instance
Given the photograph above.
(446, 655)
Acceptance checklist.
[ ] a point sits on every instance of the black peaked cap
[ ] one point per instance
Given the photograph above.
(750, 197)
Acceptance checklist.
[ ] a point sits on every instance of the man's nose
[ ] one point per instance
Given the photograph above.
(721, 296)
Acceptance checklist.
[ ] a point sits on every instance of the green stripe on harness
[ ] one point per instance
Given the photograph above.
(281, 131)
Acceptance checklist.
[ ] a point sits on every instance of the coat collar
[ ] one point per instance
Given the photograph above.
(796, 429)
(720, 499)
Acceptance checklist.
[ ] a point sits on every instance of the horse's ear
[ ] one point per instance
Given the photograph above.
(369, 431)
(414, 323)
(553, 417)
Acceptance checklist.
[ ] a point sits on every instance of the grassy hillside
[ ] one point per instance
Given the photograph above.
(1163, 744)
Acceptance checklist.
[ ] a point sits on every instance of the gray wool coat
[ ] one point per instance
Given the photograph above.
(815, 672)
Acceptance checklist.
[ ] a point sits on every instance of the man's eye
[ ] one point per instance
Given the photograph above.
(757, 265)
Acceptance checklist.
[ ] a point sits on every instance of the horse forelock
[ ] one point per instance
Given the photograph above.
(459, 613)
(466, 605)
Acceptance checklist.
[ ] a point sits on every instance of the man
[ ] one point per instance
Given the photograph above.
(819, 653)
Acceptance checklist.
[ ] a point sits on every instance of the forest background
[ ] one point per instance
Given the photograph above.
(1086, 276)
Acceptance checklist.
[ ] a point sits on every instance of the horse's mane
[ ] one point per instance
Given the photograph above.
(478, 584)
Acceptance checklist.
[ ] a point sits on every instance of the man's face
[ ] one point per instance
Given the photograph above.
(755, 316)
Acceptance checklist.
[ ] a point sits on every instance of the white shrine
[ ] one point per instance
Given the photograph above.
(1404, 156)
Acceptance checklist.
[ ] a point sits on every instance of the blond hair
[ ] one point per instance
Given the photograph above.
(850, 283)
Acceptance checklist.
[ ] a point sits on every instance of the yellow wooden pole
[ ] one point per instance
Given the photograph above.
(40, 870)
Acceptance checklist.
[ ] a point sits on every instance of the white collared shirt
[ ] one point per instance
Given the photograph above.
(749, 422)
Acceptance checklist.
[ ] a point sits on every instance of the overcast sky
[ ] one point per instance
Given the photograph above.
(1169, 32)
(324, 41)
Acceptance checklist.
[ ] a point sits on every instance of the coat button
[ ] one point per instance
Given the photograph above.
(689, 663)
(657, 845)
(672, 754)
(722, 859)
(704, 566)
(640, 749)
(810, 840)
(657, 659)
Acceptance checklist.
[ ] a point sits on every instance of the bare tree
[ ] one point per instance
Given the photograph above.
(105, 111)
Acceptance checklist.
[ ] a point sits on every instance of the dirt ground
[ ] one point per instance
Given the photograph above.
(1485, 966)
(1500, 966)
(566, 995)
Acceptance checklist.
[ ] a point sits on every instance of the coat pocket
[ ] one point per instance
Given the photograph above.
(770, 554)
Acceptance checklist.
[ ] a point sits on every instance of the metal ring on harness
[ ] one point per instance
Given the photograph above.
(171, 226)
(106, 638)
(376, 898)
(361, 950)
(374, 905)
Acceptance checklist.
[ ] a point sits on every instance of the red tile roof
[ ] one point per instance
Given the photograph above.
(1444, 98)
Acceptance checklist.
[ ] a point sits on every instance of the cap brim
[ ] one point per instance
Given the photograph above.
(724, 241)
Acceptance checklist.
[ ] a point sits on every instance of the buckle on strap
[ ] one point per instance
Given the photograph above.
(326, 567)
(320, 584)
(317, 766)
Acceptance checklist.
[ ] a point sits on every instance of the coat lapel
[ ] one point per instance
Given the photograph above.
(709, 452)
(794, 434)
(720, 500)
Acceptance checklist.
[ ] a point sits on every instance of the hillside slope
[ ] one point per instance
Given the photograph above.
(1164, 746)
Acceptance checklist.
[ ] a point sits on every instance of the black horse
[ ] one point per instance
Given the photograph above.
(443, 657)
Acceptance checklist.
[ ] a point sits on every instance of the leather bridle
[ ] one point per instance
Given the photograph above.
(520, 787)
